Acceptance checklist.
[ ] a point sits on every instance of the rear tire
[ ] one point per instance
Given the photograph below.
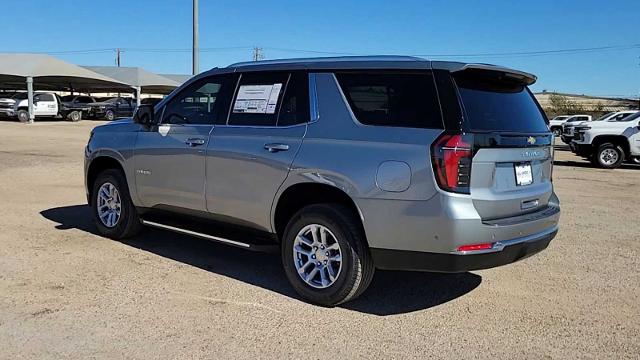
(608, 156)
(343, 238)
(110, 115)
(23, 116)
(75, 116)
(118, 218)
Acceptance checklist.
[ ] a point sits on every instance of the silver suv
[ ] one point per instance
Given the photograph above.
(346, 165)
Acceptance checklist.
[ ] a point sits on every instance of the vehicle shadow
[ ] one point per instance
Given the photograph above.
(561, 147)
(391, 292)
(586, 164)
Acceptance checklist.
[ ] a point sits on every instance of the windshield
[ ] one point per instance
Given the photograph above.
(19, 96)
(498, 105)
(560, 117)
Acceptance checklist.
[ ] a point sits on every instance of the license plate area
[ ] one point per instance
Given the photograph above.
(524, 175)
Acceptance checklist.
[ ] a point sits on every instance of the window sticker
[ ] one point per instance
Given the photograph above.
(257, 99)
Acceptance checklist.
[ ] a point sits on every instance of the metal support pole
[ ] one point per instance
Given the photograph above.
(138, 93)
(196, 49)
(30, 99)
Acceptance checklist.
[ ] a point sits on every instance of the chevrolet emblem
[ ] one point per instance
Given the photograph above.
(531, 140)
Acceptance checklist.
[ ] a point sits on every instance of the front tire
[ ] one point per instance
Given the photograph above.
(110, 115)
(608, 156)
(113, 211)
(23, 116)
(325, 255)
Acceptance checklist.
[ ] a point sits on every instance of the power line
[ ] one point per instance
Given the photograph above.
(543, 52)
(567, 51)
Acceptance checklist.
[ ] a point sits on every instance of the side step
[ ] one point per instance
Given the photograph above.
(206, 236)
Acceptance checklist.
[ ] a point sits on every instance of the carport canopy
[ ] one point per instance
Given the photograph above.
(139, 78)
(44, 72)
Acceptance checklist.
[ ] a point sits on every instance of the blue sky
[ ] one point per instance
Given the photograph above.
(358, 27)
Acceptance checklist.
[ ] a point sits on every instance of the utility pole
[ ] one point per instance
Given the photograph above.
(257, 54)
(118, 51)
(196, 49)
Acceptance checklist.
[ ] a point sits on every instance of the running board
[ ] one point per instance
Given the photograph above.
(199, 234)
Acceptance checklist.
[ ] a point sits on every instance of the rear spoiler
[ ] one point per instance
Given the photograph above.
(521, 76)
(459, 67)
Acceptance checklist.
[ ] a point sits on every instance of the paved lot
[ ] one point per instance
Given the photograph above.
(66, 292)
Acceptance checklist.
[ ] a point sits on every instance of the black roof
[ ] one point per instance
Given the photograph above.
(386, 62)
(371, 62)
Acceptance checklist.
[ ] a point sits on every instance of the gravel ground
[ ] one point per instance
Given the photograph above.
(67, 292)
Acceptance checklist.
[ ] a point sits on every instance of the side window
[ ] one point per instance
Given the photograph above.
(393, 99)
(43, 97)
(200, 103)
(258, 98)
(295, 105)
(628, 117)
(620, 117)
(47, 97)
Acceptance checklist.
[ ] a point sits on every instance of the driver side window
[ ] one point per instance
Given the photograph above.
(200, 103)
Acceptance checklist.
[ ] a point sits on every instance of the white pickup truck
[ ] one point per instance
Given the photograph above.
(608, 143)
(569, 126)
(45, 105)
(555, 124)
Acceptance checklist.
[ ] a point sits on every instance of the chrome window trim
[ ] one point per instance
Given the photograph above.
(314, 110)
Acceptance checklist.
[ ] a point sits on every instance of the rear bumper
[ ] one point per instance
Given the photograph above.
(513, 250)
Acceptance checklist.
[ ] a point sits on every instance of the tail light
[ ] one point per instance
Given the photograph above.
(475, 247)
(552, 152)
(451, 157)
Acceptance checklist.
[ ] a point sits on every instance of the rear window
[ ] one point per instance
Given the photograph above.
(393, 99)
(498, 105)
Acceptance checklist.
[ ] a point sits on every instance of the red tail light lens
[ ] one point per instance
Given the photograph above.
(475, 247)
(451, 157)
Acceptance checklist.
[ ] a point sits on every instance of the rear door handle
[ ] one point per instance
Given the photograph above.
(194, 142)
(276, 147)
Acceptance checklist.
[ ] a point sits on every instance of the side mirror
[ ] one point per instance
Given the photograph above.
(144, 115)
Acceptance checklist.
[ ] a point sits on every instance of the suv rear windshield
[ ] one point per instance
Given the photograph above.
(494, 104)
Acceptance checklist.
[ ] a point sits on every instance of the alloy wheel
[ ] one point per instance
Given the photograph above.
(317, 256)
(109, 205)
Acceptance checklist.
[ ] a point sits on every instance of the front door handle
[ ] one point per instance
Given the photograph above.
(276, 147)
(194, 142)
